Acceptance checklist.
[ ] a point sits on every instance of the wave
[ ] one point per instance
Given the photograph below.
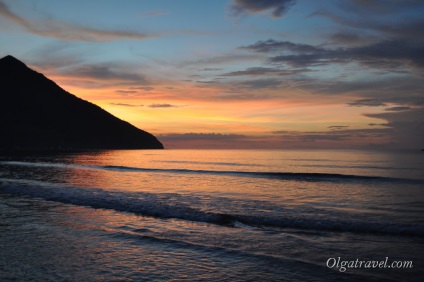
(177, 206)
(295, 176)
(363, 167)
(210, 163)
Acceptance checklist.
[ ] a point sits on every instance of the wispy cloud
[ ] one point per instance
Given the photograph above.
(105, 72)
(396, 53)
(397, 109)
(222, 60)
(272, 45)
(378, 17)
(163, 106)
(211, 69)
(68, 31)
(126, 105)
(260, 71)
(144, 88)
(201, 136)
(338, 127)
(341, 134)
(349, 38)
(264, 83)
(206, 81)
(277, 7)
(371, 91)
(126, 92)
(369, 102)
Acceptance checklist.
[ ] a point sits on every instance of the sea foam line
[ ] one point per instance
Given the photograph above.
(166, 206)
(296, 176)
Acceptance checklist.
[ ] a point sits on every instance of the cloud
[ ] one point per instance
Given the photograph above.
(266, 83)
(386, 54)
(145, 88)
(53, 56)
(380, 6)
(211, 140)
(123, 77)
(107, 72)
(272, 45)
(369, 102)
(211, 69)
(384, 18)
(68, 31)
(222, 59)
(377, 124)
(277, 7)
(126, 105)
(349, 38)
(373, 57)
(406, 128)
(163, 106)
(341, 134)
(348, 12)
(371, 90)
(206, 81)
(343, 138)
(201, 136)
(126, 92)
(5, 12)
(338, 127)
(283, 132)
(260, 71)
(410, 29)
(397, 109)
(294, 54)
(366, 32)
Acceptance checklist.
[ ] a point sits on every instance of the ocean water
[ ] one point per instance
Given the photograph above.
(212, 215)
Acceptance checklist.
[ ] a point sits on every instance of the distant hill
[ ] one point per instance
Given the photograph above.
(35, 113)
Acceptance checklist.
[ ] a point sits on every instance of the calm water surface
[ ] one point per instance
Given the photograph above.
(210, 215)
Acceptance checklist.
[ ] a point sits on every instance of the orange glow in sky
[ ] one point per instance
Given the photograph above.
(302, 78)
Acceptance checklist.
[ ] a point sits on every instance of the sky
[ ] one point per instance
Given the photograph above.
(269, 74)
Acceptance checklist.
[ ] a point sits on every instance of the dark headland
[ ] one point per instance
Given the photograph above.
(35, 113)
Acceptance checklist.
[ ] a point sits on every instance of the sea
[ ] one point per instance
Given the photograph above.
(212, 215)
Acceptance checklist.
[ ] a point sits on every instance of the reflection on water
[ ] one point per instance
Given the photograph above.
(73, 243)
(85, 216)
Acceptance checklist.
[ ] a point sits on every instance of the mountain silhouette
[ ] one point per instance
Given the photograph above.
(35, 113)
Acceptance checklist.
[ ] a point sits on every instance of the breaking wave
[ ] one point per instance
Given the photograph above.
(177, 206)
(294, 176)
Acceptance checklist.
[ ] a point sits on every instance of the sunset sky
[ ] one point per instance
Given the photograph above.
(236, 73)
